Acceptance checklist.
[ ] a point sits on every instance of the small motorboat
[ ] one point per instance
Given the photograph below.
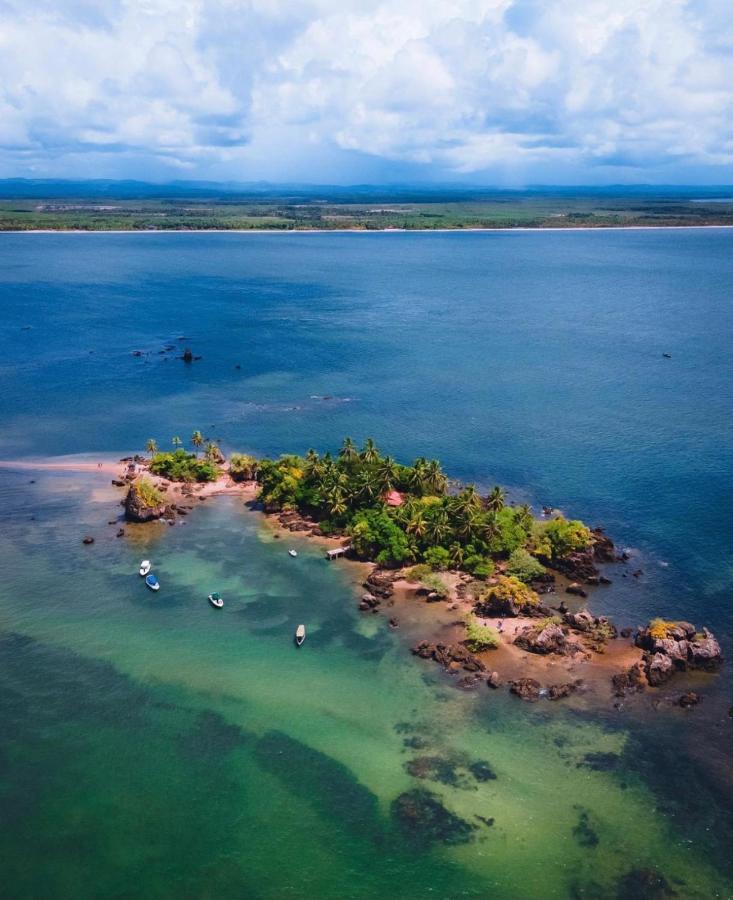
(144, 567)
(293, 552)
(152, 582)
(299, 635)
(215, 599)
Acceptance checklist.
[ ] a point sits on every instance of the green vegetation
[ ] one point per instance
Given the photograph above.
(560, 536)
(507, 595)
(435, 584)
(524, 566)
(149, 493)
(397, 514)
(242, 467)
(479, 637)
(182, 466)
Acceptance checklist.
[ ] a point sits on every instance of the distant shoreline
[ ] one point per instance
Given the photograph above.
(472, 230)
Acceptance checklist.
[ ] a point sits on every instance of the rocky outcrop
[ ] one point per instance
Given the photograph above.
(526, 688)
(604, 550)
(578, 566)
(671, 647)
(631, 681)
(560, 691)
(136, 508)
(380, 584)
(369, 602)
(494, 681)
(451, 656)
(544, 639)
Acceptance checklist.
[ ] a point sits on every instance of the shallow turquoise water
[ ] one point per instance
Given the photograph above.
(151, 746)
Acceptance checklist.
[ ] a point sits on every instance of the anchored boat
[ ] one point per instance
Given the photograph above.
(293, 552)
(215, 599)
(299, 635)
(152, 582)
(144, 567)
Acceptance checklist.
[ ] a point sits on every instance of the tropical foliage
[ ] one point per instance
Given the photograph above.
(149, 493)
(397, 513)
(479, 637)
(560, 536)
(242, 467)
(524, 566)
(182, 466)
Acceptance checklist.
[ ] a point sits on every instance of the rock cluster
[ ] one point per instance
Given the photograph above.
(380, 584)
(547, 638)
(629, 682)
(451, 656)
(670, 647)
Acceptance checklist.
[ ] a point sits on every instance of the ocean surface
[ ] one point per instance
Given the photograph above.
(152, 747)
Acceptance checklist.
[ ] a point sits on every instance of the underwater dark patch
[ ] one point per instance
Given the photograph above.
(321, 780)
(583, 832)
(600, 762)
(423, 820)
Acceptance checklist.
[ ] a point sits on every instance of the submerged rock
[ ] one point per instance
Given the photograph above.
(526, 688)
(688, 700)
(560, 691)
(630, 681)
(424, 820)
(494, 681)
(644, 884)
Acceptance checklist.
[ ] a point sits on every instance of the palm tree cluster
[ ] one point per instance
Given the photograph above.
(463, 530)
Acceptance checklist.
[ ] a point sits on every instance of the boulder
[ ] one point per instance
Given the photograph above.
(705, 652)
(689, 699)
(137, 510)
(548, 639)
(681, 645)
(87, 540)
(380, 584)
(494, 681)
(526, 688)
(559, 691)
(576, 589)
(603, 548)
(581, 620)
(659, 669)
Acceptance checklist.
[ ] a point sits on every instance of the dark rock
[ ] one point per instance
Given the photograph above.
(450, 656)
(424, 820)
(644, 884)
(626, 632)
(380, 584)
(187, 355)
(487, 822)
(87, 540)
(117, 483)
(705, 652)
(560, 691)
(631, 681)
(137, 352)
(526, 688)
(482, 771)
(683, 648)
(433, 768)
(121, 533)
(603, 548)
(599, 761)
(468, 682)
(576, 589)
(689, 699)
(494, 681)
(578, 566)
(368, 601)
(393, 623)
(581, 620)
(583, 833)
(604, 580)
(137, 510)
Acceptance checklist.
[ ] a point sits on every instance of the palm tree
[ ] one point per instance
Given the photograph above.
(416, 478)
(387, 473)
(457, 554)
(467, 501)
(151, 446)
(365, 486)
(435, 477)
(439, 527)
(495, 500)
(417, 524)
(348, 451)
(212, 452)
(197, 439)
(176, 441)
(369, 452)
(336, 503)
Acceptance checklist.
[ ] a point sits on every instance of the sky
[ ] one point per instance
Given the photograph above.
(495, 92)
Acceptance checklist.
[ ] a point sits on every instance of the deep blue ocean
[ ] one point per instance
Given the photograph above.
(530, 359)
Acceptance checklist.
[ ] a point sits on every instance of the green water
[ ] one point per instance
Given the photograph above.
(152, 746)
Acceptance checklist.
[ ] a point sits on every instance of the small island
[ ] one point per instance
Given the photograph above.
(515, 581)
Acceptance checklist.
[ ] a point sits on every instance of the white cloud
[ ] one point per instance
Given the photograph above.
(449, 86)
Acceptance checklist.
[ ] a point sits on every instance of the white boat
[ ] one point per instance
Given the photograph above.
(144, 567)
(215, 599)
(293, 552)
(299, 635)
(152, 582)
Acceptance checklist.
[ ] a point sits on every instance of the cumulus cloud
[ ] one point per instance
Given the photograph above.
(440, 87)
